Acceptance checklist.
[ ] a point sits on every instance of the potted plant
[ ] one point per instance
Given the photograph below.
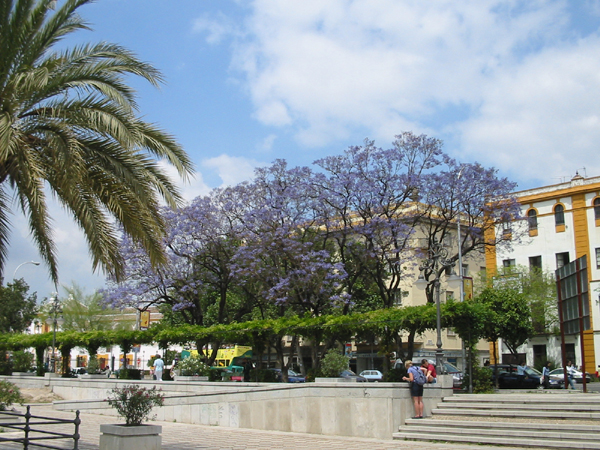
(191, 369)
(9, 394)
(134, 404)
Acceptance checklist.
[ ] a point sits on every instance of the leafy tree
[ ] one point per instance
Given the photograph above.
(83, 312)
(69, 124)
(509, 319)
(18, 308)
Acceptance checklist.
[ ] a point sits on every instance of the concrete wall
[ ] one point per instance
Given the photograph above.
(374, 410)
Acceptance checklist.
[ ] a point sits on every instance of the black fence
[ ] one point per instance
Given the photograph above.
(37, 429)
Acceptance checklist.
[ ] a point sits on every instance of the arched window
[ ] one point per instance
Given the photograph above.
(532, 219)
(559, 215)
(597, 208)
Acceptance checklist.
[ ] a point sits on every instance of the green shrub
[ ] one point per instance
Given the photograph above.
(22, 361)
(93, 366)
(311, 374)
(193, 366)
(395, 375)
(334, 363)
(482, 380)
(131, 374)
(216, 374)
(264, 376)
(134, 403)
(9, 394)
(6, 363)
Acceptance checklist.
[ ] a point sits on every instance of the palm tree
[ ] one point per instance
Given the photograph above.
(69, 126)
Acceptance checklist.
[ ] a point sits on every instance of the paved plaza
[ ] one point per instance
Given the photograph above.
(178, 436)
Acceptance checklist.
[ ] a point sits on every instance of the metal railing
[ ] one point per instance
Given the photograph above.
(33, 435)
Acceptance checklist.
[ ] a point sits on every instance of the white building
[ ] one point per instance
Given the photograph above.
(561, 223)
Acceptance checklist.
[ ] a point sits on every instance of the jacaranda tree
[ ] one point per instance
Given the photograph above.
(69, 125)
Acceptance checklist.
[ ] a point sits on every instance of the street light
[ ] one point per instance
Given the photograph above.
(55, 309)
(437, 261)
(35, 263)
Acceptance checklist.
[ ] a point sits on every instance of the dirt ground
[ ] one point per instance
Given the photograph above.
(42, 395)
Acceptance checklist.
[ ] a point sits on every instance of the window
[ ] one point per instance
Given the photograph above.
(449, 295)
(598, 258)
(559, 216)
(562, 259)
(597, 208)
(508, 263)
(465, 270)
(397, 297)
(535, 262)
(532, 222)
(506, 230)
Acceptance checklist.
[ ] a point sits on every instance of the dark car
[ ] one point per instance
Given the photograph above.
(351, 375)
(293, 377)
(509, 377)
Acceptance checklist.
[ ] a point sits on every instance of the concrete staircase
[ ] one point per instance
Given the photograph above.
(543, 419)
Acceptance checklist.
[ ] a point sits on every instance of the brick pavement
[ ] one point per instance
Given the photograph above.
(178, 436)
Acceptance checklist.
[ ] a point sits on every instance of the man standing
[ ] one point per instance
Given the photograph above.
(570, 374)
(159, 366)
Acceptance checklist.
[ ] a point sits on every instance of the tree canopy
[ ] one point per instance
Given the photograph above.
(69, 125)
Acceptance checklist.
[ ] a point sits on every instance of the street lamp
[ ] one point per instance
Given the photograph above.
(55, 309)
(437, 261)
(35, 263)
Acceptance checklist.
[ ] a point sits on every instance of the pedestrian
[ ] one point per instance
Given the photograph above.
(430, 372)
(416, 379)
(570, 374)
(247, 368)
(546, 375)
(159, 366)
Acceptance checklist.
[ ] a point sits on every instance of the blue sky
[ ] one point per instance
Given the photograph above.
(511, 84)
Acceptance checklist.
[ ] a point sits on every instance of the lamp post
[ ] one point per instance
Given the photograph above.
(55, 309)
(437, 260)
(35, 263)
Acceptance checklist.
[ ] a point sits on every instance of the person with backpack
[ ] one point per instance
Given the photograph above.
(416, 379)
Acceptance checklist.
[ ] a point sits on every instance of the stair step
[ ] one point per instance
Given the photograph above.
(561, 414)
(567, 427)
(522, 406)
(521, 442)
(514, 432)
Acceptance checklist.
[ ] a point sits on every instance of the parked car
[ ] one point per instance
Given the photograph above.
(451, 369)
(372, 375)
(293, 377)
(509, 378)
(558, 374)
(349, 374)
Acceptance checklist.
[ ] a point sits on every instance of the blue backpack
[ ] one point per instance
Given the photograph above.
(419, 376)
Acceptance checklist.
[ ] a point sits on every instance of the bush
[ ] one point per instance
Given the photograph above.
(395, 375)
(6, 363)
(93, 366)
(264, 376)
(130, 374)
(135, 403)
(22, 361)
(9, 394)
(482, 380)
(193, 366)
(334, 363)
(216, 374)
(311, 374)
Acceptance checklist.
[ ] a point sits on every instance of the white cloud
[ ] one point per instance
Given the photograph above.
(326, 68)
(231, 169)
(216, 28)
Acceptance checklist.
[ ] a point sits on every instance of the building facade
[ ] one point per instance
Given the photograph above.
(559, 224)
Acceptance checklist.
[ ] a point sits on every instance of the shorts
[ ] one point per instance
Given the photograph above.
(416, 390)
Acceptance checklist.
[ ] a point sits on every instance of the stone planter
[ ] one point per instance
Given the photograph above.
(190, 378)
(334, 380)
(23, 374)
(122, 437)
(92, 376)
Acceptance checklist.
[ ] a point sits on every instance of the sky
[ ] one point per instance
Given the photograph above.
(511, 84)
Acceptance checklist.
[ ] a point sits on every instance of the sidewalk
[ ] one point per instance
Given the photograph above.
(178, 436)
